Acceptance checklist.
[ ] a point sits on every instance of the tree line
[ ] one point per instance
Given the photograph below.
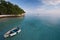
(9, 8)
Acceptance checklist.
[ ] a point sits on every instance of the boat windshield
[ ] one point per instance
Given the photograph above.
(16, 30)
(11, 32)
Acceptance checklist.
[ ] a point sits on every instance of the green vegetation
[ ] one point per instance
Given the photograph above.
(9, 8)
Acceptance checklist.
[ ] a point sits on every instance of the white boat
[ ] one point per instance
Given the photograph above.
(12, 32)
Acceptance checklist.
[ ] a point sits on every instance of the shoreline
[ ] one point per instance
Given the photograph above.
(5, 16)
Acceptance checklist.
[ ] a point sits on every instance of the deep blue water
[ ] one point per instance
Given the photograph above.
(33, 28)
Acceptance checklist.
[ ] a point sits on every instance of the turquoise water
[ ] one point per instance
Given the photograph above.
(33, 28)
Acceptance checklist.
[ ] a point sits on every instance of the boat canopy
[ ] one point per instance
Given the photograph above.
(15, 30)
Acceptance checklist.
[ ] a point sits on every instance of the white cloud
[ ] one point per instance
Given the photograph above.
(50, 7)
(47, 9)
(51, 2)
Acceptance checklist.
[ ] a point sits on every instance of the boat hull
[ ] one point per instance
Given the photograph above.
(12, 34)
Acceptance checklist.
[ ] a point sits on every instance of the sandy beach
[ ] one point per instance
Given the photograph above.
(2, 16)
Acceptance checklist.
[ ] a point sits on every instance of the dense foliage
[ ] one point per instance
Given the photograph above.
(9, 8)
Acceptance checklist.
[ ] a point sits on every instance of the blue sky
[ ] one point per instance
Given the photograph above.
(26, 4)
(39, 6)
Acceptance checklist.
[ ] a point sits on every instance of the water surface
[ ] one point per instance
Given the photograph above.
(33, 27)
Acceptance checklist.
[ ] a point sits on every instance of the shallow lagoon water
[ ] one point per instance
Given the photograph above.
(33, 28)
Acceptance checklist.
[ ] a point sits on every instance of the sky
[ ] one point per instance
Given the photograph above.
(27, 5)
(44, 7)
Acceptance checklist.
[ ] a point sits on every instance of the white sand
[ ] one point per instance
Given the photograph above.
(5, 15)
(11, 15)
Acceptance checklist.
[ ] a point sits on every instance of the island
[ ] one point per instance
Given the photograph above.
(7, 9)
